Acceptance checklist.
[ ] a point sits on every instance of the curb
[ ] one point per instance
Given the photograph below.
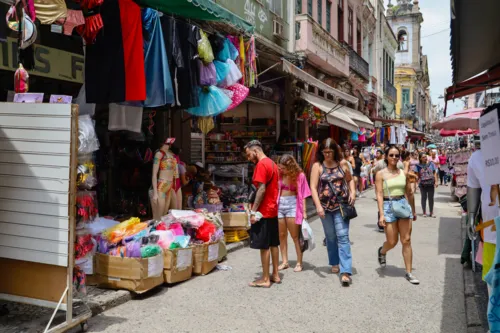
(473, 316)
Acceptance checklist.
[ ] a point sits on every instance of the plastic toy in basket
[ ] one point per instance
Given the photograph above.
(125, 229)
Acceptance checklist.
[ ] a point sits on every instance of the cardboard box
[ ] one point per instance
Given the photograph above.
(233, 220)
(205, 258)
(222, 250)
(178, 265)
(135, 274)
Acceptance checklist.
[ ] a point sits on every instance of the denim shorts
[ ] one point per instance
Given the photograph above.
(287, 206)
(389, 214)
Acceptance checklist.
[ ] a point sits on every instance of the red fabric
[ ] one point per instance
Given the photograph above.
(135, 76)
(442, 159)
(266, 172)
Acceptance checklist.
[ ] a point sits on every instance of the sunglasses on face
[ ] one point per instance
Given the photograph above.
(394, 155)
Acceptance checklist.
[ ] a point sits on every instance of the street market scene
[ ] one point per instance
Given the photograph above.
(249, 166)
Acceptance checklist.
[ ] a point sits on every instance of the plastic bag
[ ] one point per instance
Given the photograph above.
(86, 173)
(150, 251)
(166, 238)
(182, 241)
(205, 49)
(205, 232)
(133, 249)
(86, 206)
(208, 74)
(123, 230)
(176, 229)
(308, 234)
(87, 137)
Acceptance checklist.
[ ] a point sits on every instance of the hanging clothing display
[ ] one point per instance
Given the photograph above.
(49, 11)
(158, 80)
(354, 136)
(392, 135)
(382, 137)
(125, 118)
(213, 101)
(181, 40)
(402, 134)
(362, 136)
(114, 64)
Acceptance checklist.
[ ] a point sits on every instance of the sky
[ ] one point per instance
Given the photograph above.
(436, 45)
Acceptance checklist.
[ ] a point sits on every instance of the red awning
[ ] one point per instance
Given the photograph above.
(479, 83)
(445, 132)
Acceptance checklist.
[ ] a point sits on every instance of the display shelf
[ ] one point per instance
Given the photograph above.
(255, 136)
(232, 162)
(223, 152)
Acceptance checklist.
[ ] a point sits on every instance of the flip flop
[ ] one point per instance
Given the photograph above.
(335, 269)
(258, 285)
(273, 280)
(283, 267)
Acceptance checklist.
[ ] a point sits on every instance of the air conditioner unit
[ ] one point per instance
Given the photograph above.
(278, 29)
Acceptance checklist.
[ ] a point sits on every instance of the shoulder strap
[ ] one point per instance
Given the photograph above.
(386, 185)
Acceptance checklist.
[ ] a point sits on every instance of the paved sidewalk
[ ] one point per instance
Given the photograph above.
(380, 300)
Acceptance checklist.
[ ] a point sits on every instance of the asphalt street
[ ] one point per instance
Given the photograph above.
(379, 300)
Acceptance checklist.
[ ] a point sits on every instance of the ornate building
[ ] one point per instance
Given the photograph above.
(411, 73)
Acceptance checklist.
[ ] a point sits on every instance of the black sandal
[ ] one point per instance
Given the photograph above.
(345, 282)
(381, 257)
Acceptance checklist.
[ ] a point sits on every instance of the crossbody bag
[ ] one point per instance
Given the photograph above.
(401, 210)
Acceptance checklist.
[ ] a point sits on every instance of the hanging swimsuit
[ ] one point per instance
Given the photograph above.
(167, 163)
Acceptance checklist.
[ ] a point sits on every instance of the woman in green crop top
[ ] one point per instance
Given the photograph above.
(394, 189)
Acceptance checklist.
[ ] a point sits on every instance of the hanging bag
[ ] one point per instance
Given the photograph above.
(401, 210)
(347, 211)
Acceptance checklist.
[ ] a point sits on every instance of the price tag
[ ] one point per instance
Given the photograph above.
(184, 259)
(56, 28)
(213, 252)
(490, 141)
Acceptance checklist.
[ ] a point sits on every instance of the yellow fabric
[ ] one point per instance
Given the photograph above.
(397, 186)
(488, 257)
(49, 11)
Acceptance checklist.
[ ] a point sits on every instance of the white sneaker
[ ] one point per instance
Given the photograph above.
(412, 279)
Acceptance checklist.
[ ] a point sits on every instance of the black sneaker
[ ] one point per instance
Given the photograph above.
(324, 241)
(381, 257)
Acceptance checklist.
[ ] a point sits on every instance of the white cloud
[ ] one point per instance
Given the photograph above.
(436, 45)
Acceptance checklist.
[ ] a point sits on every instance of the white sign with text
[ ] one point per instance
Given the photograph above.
(490, 146)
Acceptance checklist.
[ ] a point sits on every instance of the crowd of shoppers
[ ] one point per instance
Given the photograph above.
(338, 177)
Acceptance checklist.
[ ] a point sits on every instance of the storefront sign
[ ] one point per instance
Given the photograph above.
(49, 62)
(490, 141)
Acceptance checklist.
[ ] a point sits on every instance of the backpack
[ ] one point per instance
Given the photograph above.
(426, 175)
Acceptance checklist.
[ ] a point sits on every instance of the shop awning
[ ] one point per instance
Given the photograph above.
(360, 119)
(333, 118)
(205, 10)
(475, 35)
(412, 132)
(307, 78)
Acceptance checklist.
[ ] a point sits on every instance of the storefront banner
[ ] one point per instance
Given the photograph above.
(490, 141)
(49, 62)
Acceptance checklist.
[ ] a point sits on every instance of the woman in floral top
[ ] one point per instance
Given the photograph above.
(332, 181)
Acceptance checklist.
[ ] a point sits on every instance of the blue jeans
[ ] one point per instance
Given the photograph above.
(337, 241)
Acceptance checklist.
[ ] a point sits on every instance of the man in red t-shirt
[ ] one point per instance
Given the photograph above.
(264, 233)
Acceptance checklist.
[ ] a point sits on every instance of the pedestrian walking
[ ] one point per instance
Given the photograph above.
(264, 231)
(396, 207)
(332, 183)
(358, 163)
(443, 167)
(294, 190)
(427, 182)
(413, 163)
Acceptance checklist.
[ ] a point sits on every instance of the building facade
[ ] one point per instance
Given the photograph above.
(411, 69)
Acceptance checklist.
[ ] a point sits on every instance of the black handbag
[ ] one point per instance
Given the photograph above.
(347, 211)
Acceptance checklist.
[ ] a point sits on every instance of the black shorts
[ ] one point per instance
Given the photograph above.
(264, 234)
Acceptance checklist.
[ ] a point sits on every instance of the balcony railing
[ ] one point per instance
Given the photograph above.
(358, 64)
(390, 90)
